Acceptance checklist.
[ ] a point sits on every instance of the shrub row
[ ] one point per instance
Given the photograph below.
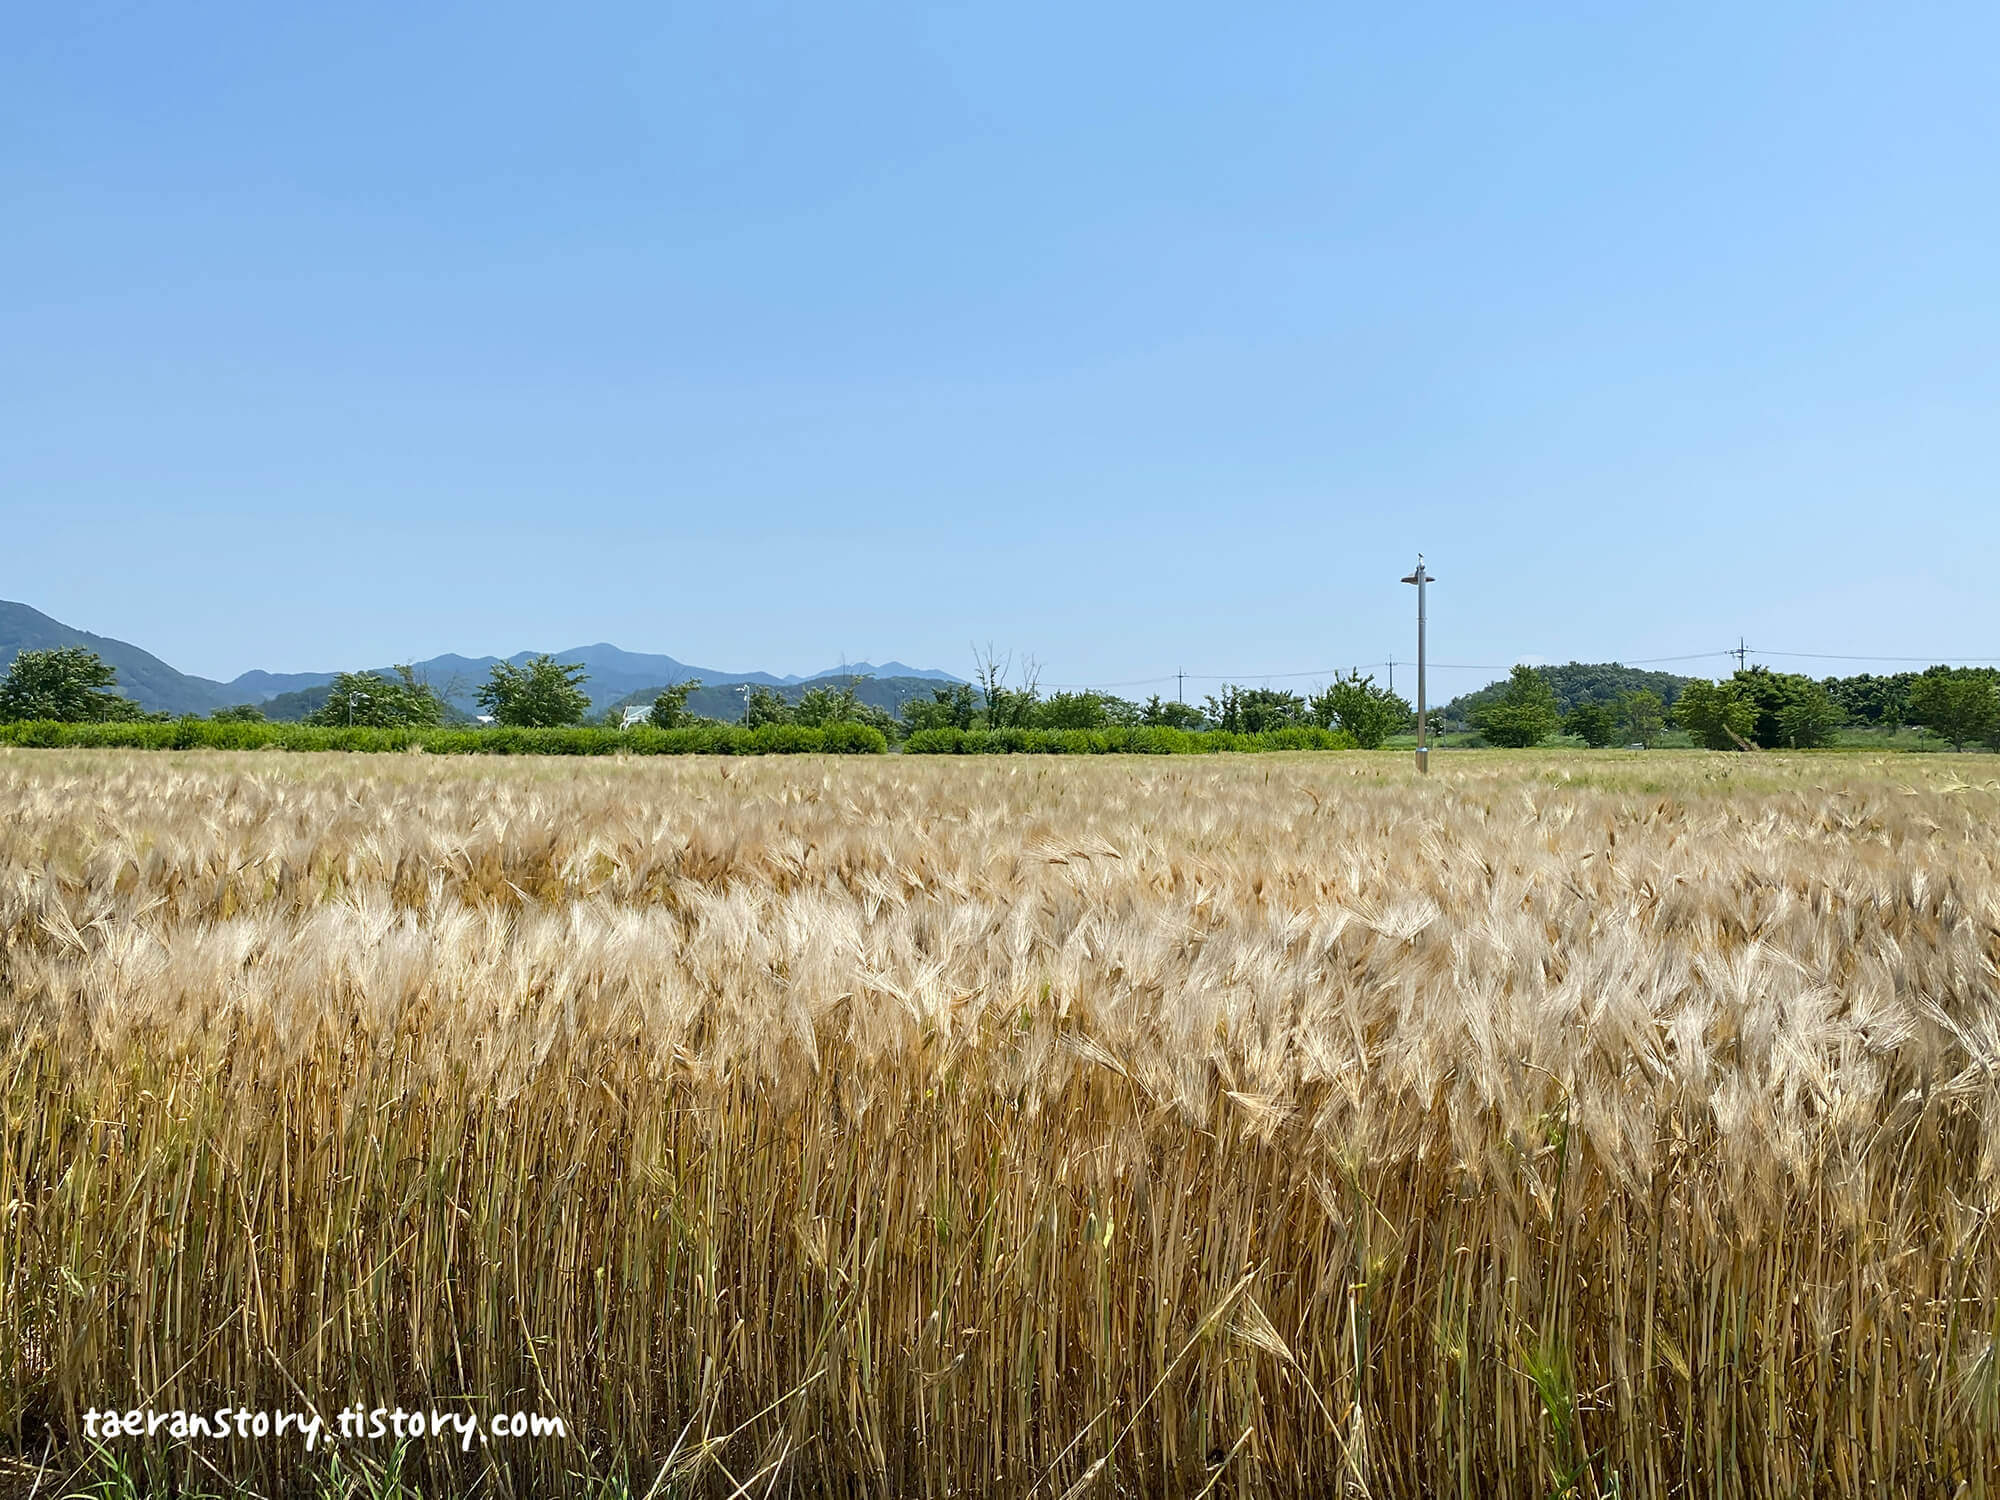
(1117, 741)
(708, 739)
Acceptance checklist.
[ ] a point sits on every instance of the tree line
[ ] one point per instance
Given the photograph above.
(1754, 708)
(73, 685)
(1352, 703)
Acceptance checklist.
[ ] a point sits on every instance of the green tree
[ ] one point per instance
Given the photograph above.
(1369, 713)
(1716, 714)
(1085, 710)
(1868, 699)
(763, 706)
(1959, 704)
(1524, 714)
(541, 693)
(670, 708)
(1242, 710)
(1008, 707)
(820, 706)
(816, 708)
(1809, 719)
(1071, 711)
(1160, 714)
(1793, 711)
(70, 684)
(1642, 716)
(949, 708)
(1596, 724)
(238, 713)
(1573, 683)
(368, 698)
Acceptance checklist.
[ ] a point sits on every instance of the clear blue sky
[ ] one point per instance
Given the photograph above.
(1128, 336)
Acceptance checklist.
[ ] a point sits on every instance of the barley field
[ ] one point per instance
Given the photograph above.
(1590, 1124)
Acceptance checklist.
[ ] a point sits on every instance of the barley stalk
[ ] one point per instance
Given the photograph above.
(1599, 1125)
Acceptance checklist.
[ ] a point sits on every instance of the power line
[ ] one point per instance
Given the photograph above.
(1740, 650)
(1836, 656)
(1647, 661)
(1089, 687)
(1182, 677)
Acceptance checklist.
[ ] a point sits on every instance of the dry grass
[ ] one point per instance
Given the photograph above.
(1610, 1124)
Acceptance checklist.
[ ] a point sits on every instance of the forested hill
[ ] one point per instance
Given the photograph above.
(142, 676)
(1576, 682)
(615, 674)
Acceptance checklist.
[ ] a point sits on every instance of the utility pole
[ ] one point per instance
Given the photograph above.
(1180, 685)
(1741, 653)
(1421, 577)
(1392, 671)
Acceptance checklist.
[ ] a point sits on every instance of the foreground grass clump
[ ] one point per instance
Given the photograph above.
(1612, 1125)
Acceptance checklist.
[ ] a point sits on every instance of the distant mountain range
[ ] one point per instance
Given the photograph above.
(614, 673)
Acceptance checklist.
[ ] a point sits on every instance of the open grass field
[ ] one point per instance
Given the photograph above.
(1591, 1124)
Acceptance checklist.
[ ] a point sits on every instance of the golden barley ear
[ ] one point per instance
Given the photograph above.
(978, 1126)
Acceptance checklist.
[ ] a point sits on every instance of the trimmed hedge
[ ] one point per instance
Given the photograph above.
(1119, 741)
(704, 739)
(204, 734)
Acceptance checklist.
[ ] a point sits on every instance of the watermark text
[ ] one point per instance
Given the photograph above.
(312, 1428)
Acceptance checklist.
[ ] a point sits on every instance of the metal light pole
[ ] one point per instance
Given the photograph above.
(1420, 578)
